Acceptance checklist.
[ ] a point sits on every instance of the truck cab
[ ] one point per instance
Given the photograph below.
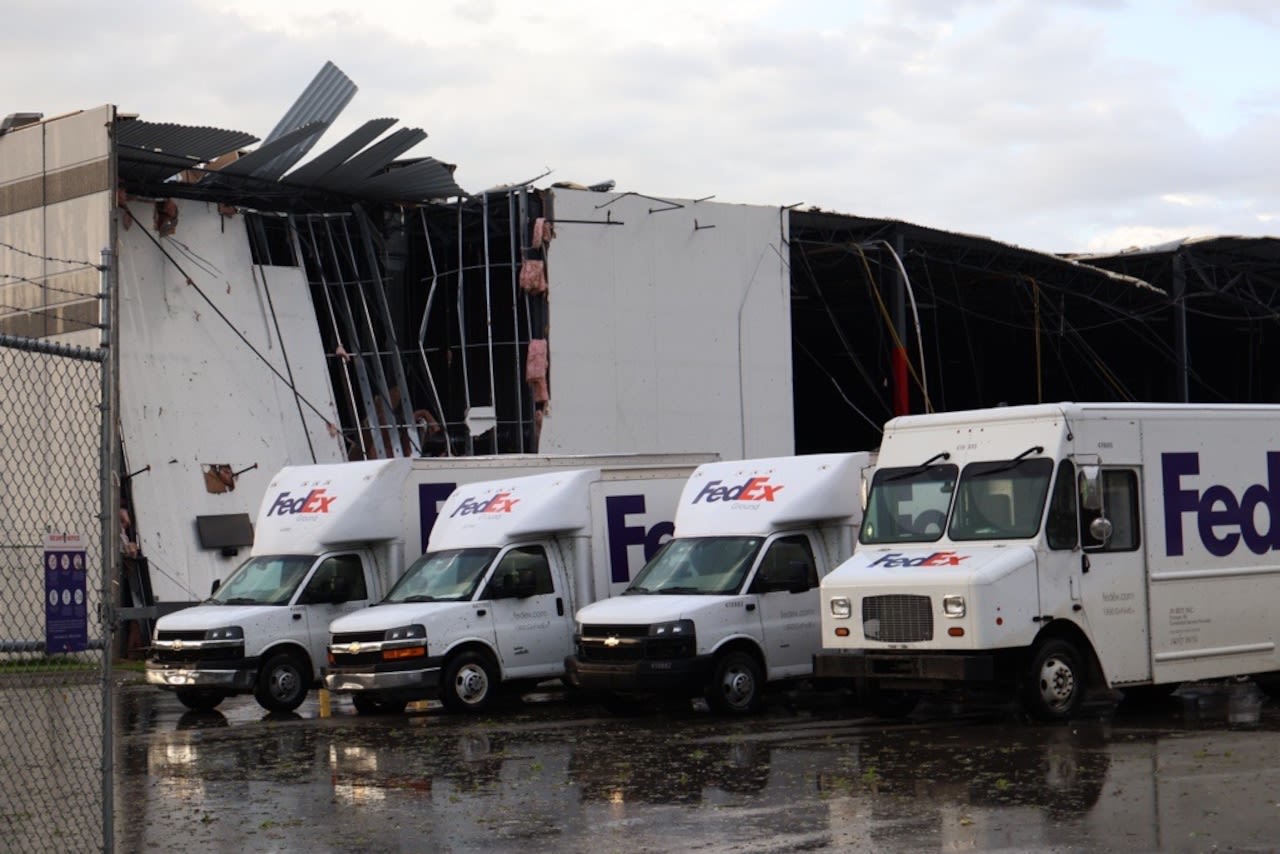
(490, 605)
(730, 604)
(328, 539)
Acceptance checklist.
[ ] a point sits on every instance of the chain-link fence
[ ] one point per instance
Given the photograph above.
(55, 635)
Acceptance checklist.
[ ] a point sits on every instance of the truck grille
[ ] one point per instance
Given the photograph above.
(897, 618)
(616, 644)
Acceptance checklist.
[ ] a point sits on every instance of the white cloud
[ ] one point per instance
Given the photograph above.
(1057, 125)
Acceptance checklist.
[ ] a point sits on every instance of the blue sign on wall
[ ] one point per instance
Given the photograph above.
(66, 607)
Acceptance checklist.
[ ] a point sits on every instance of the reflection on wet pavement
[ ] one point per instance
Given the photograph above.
(1191, 772)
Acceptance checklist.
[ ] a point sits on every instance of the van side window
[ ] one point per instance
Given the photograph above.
(528, 559)
(787, 563)
(1120, 503)
(339, 572)
(1060, 528)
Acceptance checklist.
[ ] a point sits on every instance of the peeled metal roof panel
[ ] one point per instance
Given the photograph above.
(321, 102)
(350, 175)
(256, 163)
(335, 156)
(199, 143)
(426, 179)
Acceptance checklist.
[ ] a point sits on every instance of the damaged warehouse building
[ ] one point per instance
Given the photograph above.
(294, 303)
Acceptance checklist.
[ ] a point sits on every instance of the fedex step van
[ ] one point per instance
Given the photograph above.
(490, 605)
(1040, 551)
(329, 539)
(731, 603)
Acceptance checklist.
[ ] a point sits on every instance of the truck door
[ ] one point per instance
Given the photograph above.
(337, 586)
(1113, 585)
(529, 598)
(786, 586)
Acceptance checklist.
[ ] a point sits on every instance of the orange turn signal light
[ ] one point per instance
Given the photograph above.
(956, 632)
(406, 652)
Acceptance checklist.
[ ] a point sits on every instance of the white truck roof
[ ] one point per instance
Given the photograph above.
(495, 512)
(308, 508)
(760, 496)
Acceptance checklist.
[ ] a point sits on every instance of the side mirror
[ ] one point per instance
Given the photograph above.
(213, 588)
(1100, 529)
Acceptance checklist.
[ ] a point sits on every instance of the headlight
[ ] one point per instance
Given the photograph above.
(225, 633)
(673, 629)
(953, 605)
(417, 631)
(840, 607)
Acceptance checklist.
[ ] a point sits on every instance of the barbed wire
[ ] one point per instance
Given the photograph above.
(39, 257)
(54, 288)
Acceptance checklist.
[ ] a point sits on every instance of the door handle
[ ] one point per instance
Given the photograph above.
(1084, 564)
(751, 606)
(559, 607)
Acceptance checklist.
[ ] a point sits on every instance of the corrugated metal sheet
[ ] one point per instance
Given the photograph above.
(321, 102)
(426, 179)
(256, 163)
(349, 176)
(334, 157)
(150, 151)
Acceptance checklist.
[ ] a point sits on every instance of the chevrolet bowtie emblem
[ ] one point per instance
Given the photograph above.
(355, 648)
(177, 644)
(612, 640)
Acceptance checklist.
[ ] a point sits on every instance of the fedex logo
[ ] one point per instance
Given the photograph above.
(618, 512)
(755, 489)
(1222, 519)
(896, 559)
(500, 502)
(314, 501)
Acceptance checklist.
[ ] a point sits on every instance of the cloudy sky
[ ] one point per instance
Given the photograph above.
(1066, 126)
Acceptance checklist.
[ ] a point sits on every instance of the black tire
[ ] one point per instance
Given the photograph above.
(283, 682)
(885, 703)
(371, 704)
(470, 683)
(1056, 681)
(736, 684)
(198, 699)
(1269, 684)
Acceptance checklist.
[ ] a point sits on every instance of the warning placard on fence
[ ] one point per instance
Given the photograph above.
(66, 609)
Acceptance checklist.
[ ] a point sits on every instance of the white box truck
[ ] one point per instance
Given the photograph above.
(330, 539)
(731, 602)
(1043, 550)
(490, 604)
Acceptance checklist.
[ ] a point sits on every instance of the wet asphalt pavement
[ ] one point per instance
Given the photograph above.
(1197, 772)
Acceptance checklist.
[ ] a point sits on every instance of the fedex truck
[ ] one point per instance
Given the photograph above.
(330, 539)
(490, 604)
(731, 602)
(1040, 551)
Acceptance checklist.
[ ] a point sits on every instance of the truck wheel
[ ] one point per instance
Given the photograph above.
(470, 683)
(1055, 683)
(283, 682)
(372, 705)
(199, 701)
(736, 682)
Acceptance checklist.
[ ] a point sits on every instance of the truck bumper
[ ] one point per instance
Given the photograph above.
(234, 681)
(677, 677)
(419, 683)
(932, 667)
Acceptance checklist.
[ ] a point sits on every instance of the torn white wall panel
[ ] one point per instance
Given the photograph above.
(670, 331)
(194, 393)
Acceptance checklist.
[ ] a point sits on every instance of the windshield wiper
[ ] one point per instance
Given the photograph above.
(242, 600)
(418, 597)
(679, 590)
(631, 590)
(1013, 463)
(942, 455)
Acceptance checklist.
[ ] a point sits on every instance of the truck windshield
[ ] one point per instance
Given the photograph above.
(1001, 500)
(451, 575)
(909, 504)
(698, 565)
(264, 580)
